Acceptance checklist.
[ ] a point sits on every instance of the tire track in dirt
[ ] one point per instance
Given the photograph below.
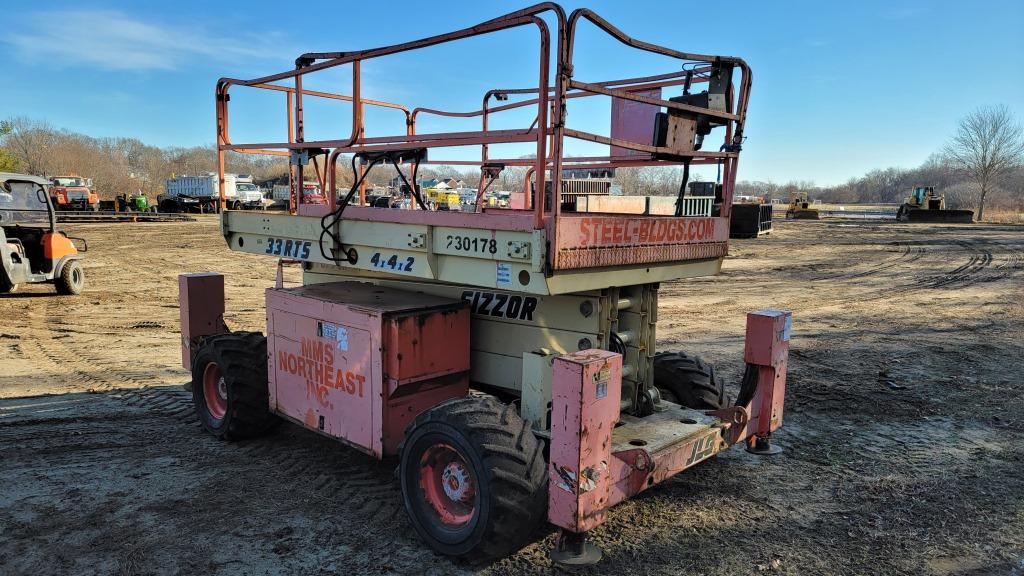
(42, 349)
(906, 256)
(976, 270)
(967, 274)
(341, 500)
(347, 478)
(979, 268)
(349, 483)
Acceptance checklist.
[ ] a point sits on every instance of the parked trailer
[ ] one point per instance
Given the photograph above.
(116, 216)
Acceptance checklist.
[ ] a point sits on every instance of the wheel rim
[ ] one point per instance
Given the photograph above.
(448, 484)
(215, 391)
(76, 276)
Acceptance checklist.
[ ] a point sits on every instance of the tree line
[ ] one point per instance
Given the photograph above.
(116, 165)
(120, 165)
(982, 164)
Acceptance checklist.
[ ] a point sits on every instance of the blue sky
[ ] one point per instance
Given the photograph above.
(839, 87)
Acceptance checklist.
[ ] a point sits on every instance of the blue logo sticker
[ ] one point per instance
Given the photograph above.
(504, 273)
(328, 330)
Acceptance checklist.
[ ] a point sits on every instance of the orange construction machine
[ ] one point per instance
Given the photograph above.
(73, 193)
(548, 314)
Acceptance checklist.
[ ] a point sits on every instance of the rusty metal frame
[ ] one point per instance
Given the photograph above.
(548, 128)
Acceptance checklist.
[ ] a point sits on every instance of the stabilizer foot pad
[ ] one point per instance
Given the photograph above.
(574, 550)
(762, 447)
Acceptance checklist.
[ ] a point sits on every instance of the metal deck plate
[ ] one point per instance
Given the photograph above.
(668, 427)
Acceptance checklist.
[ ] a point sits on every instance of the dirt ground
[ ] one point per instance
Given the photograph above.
(904, 431)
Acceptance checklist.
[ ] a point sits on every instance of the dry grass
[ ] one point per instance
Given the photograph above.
(1004, 216)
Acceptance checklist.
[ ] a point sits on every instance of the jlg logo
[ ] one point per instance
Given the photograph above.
(702, 448)
(501, 305)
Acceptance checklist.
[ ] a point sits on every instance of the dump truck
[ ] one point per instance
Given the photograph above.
(281, 195)
(924, 205)
(73, 193)
(201, 194)
(505, 359)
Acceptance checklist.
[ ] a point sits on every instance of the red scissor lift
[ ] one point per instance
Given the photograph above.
(566, 441)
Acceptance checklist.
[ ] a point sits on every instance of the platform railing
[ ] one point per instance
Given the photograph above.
(548, 129)
(697, 205)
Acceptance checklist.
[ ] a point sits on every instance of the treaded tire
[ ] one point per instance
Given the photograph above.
(6, 286)
(71, 280)
(688, 381)
(241, 358)
(506, 462)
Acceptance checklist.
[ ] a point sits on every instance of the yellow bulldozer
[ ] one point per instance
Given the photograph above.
(800, 207)
(924, 205)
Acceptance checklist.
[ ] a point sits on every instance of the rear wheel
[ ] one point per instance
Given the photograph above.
(72, 278)
(688, 381)
(474, 478)
(6, 286)
(229, 385)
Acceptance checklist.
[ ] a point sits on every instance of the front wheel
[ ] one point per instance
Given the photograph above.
(474, 478)
(689, 381)
(72, 279)
(229, 385)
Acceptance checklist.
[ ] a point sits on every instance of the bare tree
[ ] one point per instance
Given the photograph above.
(30, 142)
(987, 143)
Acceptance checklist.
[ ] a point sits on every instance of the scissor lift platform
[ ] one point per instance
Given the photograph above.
(497, 249)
